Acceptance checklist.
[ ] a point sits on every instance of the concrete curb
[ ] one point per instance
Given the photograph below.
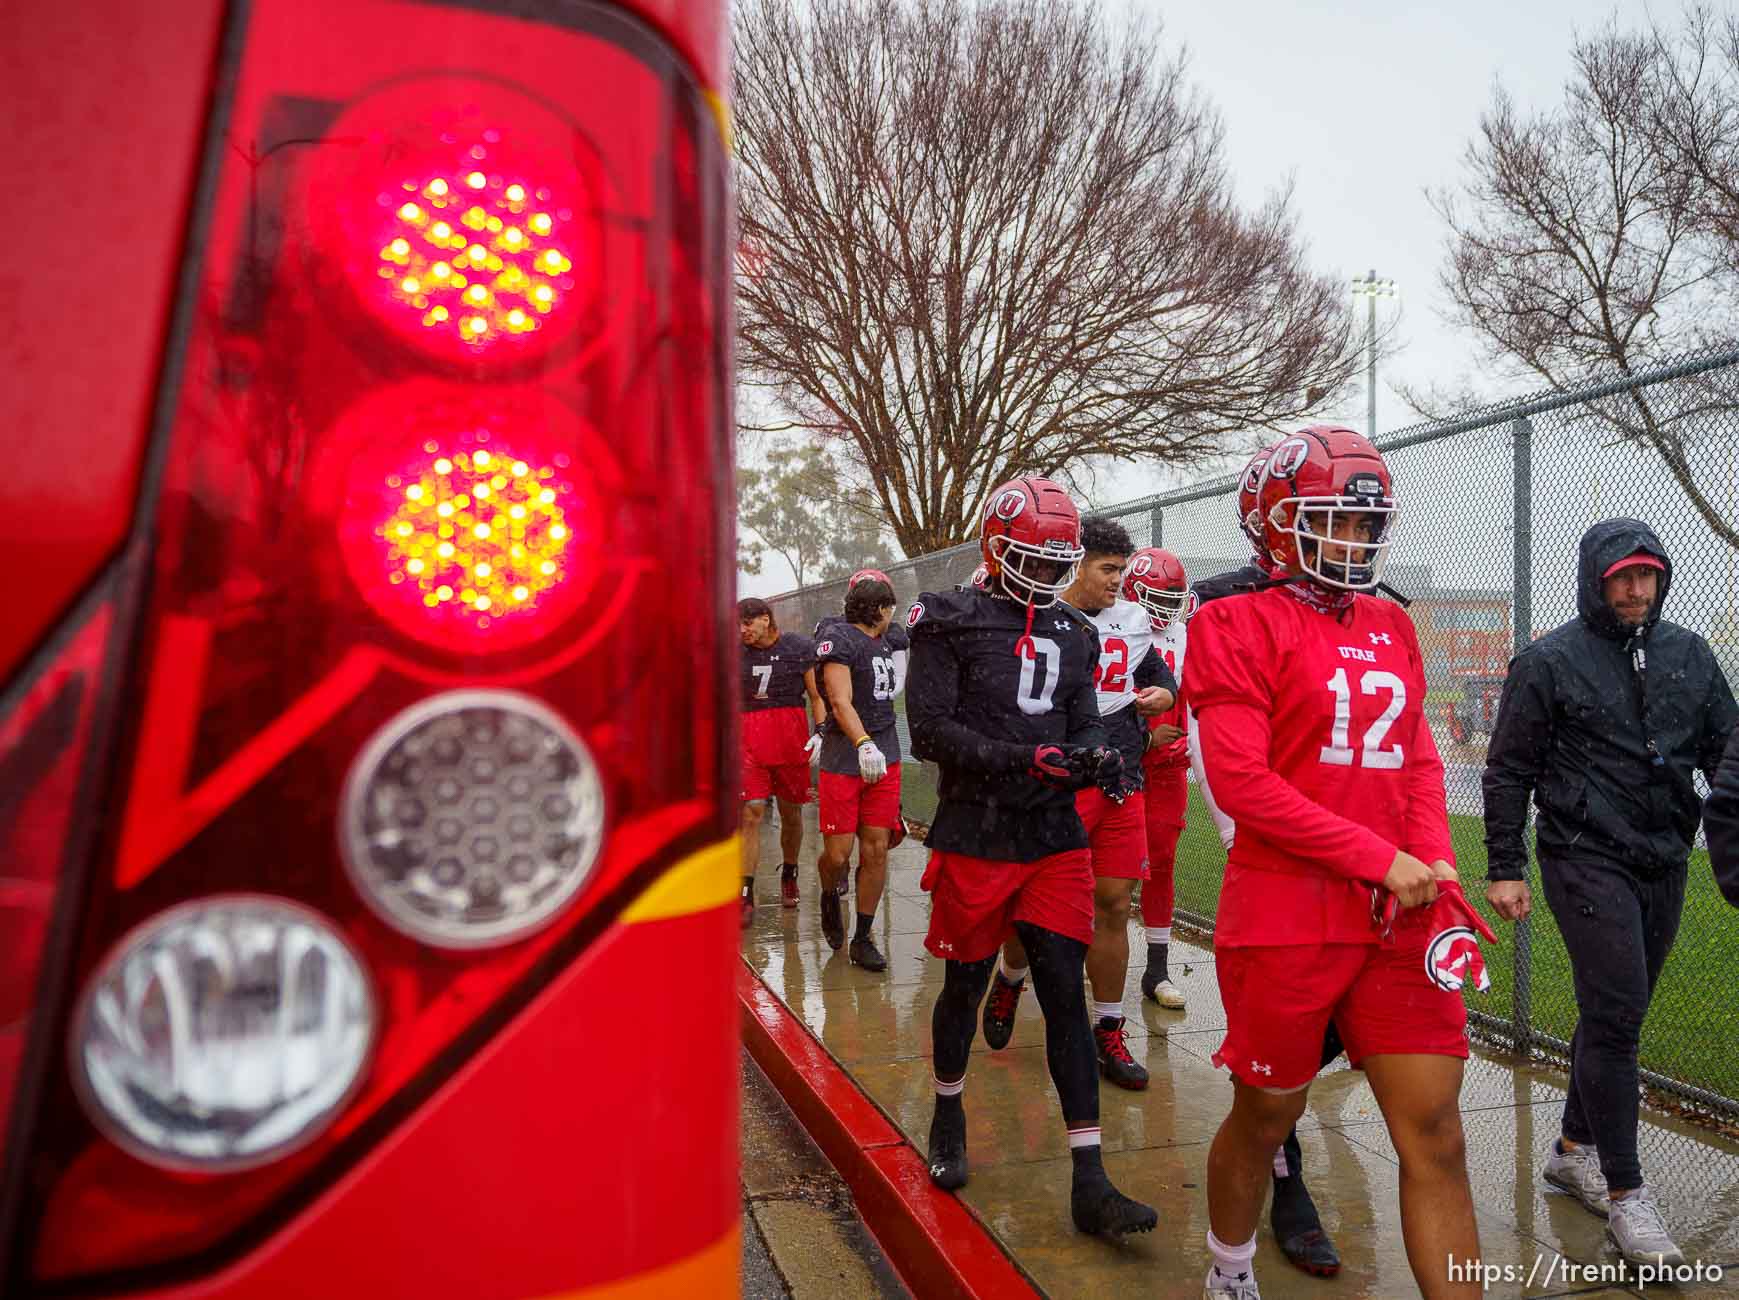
(938, 1247)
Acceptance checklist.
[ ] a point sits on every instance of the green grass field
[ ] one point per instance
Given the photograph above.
(1692, 1031)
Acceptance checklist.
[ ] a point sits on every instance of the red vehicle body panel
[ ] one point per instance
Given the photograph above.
(105, 106)
(573, 1150)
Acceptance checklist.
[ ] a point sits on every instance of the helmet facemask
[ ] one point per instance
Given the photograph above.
(1165, 605)
(1343, 564)
(1036, 575)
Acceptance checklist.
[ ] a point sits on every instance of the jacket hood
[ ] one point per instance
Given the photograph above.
(1603, 545)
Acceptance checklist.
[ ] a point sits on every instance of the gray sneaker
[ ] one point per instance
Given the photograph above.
(1578, 1173)
(1639, 1232)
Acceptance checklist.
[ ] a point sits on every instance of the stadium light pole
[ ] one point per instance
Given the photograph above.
(1371, 288)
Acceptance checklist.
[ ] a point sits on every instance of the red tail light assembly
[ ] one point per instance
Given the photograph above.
(427, 671)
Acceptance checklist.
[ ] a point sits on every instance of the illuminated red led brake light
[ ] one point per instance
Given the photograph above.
(468, 521)
(466, 235)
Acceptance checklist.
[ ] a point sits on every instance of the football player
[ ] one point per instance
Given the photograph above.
(895, 636)
(1133, 685)
(1309, 697)
(1156, 581)
(1001, 699)
(1293, 1216)
(779, 695)
(860, 763)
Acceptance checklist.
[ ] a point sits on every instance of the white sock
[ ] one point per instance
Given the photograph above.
(1107, 1011)
(1086, 1137)
(950, 1089)
(1231, 1261)
(1010, 974)
(1159, 934)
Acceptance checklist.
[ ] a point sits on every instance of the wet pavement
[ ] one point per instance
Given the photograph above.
(802, 1238)
(878, 1027)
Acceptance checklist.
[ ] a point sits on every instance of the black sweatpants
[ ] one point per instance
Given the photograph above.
(1618, 929)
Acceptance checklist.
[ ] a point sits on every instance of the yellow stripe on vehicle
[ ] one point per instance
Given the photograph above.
(713, 1270)
(699, 882)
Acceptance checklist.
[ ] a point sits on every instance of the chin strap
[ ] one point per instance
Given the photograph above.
(1024, 648)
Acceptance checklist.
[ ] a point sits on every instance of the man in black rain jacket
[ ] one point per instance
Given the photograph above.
(1603, 721)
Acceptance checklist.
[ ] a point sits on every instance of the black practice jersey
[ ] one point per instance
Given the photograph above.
(1234, 582)
(871, 661)
(895, 636)
(773, 677)
(978, 708)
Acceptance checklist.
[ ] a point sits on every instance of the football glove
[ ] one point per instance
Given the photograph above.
(1059, 766)
(871, 762)
(1110, 774)
(812, 747)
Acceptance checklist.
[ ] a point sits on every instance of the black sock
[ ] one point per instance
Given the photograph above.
(950, 1106)
(787, 868)
(1087, 1161)
(1156, 954)
(748, 886)
(864, 921)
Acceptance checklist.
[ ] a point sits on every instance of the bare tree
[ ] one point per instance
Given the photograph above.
(992, 237)
(1691, 111)
(1575, 248)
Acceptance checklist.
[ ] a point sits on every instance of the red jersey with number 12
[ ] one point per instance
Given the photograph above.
(1315, 742)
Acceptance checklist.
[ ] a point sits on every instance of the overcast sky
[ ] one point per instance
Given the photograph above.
(1364, 110)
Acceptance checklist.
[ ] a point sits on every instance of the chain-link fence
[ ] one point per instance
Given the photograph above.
(1492, 507)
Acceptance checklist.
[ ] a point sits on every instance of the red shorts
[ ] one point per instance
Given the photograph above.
(1167, 795)
(773, 761)
(1279, 1001)
(1116, 834)
(974, 901)
(849, 803)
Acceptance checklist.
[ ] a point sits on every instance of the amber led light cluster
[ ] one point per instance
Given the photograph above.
(475, 255)
(477, 532)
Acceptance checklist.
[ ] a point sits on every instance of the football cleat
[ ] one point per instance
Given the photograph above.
(788, 887)
(863, 952)
(832, 919)
(1115, 1063)
(1296, 1223)
(947, 1158)
(1099, 1208)
(999, 1010)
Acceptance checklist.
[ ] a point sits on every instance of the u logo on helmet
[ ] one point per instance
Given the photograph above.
(1253, 473)
(1452, 956)
(1287, 458)
(1009, 504)
(1142, 565)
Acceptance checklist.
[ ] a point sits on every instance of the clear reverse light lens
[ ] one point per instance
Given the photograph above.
(472, 818)
(223, 1033)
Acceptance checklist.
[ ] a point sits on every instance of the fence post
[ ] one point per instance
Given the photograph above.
(1156, 526)
(1522, 440)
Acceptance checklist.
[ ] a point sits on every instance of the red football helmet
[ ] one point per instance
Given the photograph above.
(1031, 538)
(1248, 483)
(1311, 481)
(1155, 580)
